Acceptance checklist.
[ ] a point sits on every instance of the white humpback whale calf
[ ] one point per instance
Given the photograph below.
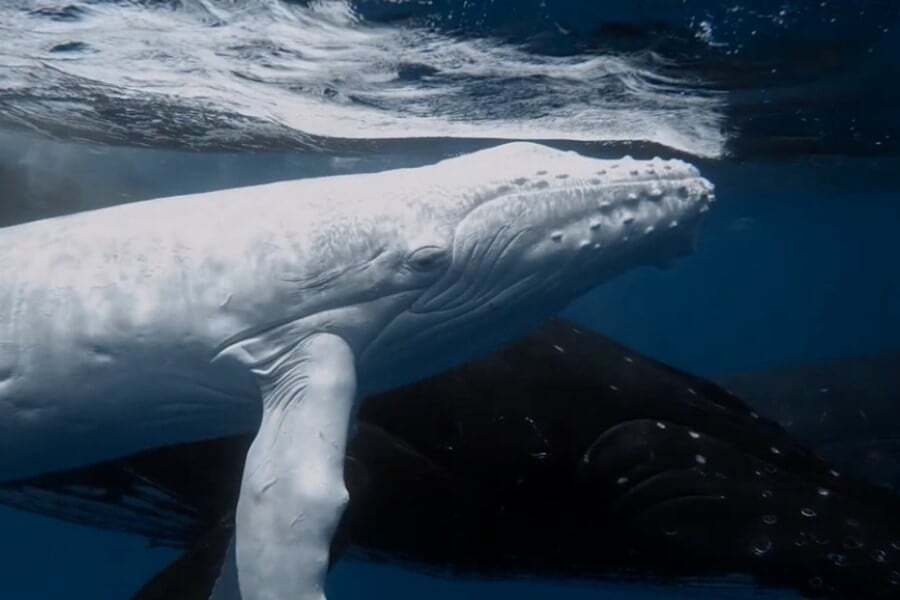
(274, 308)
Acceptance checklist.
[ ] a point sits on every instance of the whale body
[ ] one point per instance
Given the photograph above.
(272, 309)
(460, 474)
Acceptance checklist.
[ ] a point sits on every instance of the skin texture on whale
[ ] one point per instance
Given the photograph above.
(663, 475)
(274, 308)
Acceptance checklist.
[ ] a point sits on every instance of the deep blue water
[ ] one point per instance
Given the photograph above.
(791, 110)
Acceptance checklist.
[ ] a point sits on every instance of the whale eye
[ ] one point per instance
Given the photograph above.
(427, 258)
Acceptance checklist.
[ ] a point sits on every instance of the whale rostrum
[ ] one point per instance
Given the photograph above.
(275, 308)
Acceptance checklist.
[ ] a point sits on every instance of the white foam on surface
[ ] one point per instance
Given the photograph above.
(208, 73)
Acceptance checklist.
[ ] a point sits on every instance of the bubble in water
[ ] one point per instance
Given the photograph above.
(807, 512)
(770, 519)
(879, 556)
(701, 460)
(815, 582)
(767, 494)
(824, 492)
(671, 532)
(852, 543)
(819, 539)
(839, 560)
(760, 545)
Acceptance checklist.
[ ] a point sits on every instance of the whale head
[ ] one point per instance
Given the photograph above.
(514, 234)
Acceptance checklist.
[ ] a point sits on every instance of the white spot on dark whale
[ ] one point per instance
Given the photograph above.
(622, 480)
(823, 492)
(774, 450)
(694, 435)
(660, 424)
(700, 459)
(614, 388)
(559, 349)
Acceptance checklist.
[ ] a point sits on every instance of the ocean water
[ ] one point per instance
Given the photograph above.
(791, 108)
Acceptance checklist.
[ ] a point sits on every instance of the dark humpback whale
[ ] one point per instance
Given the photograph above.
(662, 474)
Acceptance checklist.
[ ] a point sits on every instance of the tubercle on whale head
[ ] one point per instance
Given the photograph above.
(576, 216)
(535, 228)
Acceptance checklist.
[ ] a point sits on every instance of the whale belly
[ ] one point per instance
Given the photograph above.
(55, 418)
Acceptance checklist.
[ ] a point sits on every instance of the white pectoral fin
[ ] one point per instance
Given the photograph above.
(292, 493)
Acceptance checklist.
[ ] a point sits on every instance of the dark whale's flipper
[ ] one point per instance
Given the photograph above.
(565, 455)
(731, 511)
